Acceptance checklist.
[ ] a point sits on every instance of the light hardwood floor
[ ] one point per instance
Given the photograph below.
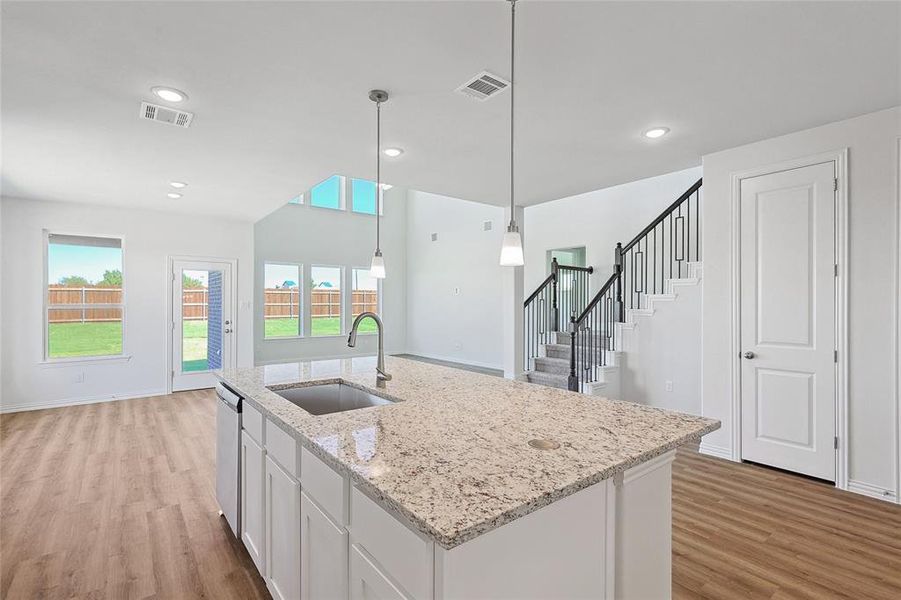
(117, 500)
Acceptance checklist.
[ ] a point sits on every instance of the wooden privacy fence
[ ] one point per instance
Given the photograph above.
(86, 304)
(284, 303)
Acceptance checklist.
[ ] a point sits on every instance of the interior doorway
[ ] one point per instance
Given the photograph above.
(788, 319)
(202, 322)
(572, 257)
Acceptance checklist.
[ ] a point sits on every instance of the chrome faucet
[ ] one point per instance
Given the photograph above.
(381, 375)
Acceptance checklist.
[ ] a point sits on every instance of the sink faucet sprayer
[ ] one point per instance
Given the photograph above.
(381, 375)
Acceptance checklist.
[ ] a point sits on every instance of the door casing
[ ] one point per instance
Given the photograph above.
(170, 312)
(840, 159)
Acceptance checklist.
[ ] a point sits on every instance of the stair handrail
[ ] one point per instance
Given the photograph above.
(666, 212)
(587, 316)
(544, 319)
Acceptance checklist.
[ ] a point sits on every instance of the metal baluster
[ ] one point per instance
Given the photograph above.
(698, 225)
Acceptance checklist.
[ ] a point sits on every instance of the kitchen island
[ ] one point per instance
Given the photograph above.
(463, 486)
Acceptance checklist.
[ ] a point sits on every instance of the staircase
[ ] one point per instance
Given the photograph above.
(572, 339)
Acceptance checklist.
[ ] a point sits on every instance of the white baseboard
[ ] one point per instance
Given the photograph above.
(717, 451)
(23, 406)
(873, 491)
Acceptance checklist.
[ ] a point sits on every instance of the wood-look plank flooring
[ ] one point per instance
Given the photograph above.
(117, 500)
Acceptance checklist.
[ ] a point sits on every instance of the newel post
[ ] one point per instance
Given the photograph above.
(618, 268)
(555, 313)
(573, 382)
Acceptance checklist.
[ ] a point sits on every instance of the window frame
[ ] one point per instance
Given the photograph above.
(350, 301)
(47, 307)
(300, 300)
(342, 327)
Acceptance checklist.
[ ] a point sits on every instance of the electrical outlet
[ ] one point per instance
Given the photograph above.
(456, 290)
(79, 377)
(668, 386)
(458, 346)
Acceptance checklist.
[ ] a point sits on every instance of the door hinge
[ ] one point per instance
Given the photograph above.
(835, 443)
(836, 269)
(835, 355)
(835, 184)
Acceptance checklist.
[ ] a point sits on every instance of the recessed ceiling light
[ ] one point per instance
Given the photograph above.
(169, 94)
(174, 195)
(656, 132)
(178, 184)
(393, 152)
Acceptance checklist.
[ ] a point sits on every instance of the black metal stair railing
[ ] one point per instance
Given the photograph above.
(661, 251)
(559, 298)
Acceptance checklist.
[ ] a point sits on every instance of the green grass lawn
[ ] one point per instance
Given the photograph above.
(104, 339)
(85, 339)
(321, 326)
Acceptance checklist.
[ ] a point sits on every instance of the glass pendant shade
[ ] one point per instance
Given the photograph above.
(377, 268)
(511, 250)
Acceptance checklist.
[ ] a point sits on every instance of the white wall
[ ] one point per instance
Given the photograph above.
(598, 220)
(309, 235)
(873, 319)
(665, 347)
(454, 284)
(150, 237)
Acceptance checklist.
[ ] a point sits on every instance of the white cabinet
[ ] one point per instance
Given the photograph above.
(282, 533)
(252, 500)
(323, 573)
(368, 582)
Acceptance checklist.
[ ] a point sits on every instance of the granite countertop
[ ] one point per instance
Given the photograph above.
(451, 455)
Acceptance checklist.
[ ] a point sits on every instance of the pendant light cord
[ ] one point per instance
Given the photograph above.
(512, 225)
(378, 173)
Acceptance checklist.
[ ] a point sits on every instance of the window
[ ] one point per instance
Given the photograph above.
(281, 300)
(328, 194)
(364, 297)
(298, 199)
(325, 301)
(363, 196)
(84, 296)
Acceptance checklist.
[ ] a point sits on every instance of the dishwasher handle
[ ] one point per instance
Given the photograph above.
(229, 397)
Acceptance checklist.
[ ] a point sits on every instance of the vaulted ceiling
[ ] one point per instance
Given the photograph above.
(279, 90)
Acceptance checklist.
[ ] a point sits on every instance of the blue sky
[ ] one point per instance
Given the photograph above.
(88, 261)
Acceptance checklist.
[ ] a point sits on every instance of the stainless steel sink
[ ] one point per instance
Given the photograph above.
(329, 398)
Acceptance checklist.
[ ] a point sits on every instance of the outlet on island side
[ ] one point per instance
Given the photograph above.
(668, 386)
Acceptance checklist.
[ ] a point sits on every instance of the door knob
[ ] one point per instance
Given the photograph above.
(749, 354)
(228, 331)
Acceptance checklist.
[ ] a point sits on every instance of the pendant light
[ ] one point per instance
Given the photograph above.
(511, 247)
(377, 268)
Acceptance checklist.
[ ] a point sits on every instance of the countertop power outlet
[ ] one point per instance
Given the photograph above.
(668, 386)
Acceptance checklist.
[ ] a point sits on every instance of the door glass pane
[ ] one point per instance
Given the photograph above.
(281, 300)
(195, 321)
(325, 304)
(364, 297)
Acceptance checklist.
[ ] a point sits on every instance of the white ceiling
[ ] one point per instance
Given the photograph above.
(280, 93)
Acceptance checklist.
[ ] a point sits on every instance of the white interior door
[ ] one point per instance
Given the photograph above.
(788, 320)
(202, 322)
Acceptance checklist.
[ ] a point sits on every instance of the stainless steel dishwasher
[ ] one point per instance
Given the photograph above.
(228, 455)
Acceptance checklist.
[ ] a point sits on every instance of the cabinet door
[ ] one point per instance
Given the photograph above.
(252, 500)
(324, 553)
(282, 533)
(367, 582)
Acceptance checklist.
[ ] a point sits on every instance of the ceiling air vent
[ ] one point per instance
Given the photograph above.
(483, 86)
(155, 112)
